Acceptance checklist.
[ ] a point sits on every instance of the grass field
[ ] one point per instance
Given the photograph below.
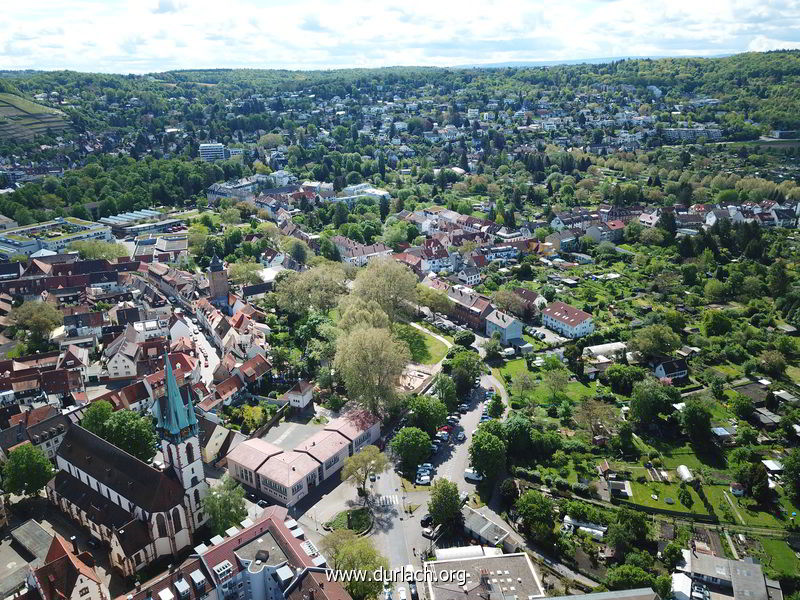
(642, 494)
(425, 349)
(780, 556)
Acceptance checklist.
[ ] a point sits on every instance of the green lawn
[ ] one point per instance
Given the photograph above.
(780, 556)
(642, 495)
(574, 390)
(425, 349)
(360, 520)
(793, 373)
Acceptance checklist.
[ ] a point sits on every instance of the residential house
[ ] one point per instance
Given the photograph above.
(359, 254)
(567, 320)
(67, 574)
(300, 395)
(671, 368)
(508, 327)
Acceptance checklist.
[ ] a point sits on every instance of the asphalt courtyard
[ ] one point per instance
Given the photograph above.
(288, 434)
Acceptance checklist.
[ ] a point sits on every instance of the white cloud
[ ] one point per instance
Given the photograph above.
(761, 43)
(152, 35)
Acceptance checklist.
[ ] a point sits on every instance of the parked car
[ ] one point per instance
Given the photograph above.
(401, 593)
(426, 520)
(263, 504)
(413, 589)
(471, 474)
(372, 477)
(445, 428)
(428, 466)
(93, 543)
(444, 436)
(461, 436)
(463, 496)
(463, 408)
(423, 480)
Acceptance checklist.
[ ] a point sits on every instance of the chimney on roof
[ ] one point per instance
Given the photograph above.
(74, 541)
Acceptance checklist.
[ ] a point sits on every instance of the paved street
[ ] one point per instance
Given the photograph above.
(397, 535)
(211, 352)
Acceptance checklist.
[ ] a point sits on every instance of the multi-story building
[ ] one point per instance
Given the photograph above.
(286, 476)
(567, 320)
(262, 559)
(212, 151)
(508, 327)
(55, 235)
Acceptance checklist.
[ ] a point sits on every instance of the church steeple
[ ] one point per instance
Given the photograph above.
(175, 419)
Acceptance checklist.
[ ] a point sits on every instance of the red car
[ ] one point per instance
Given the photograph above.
(446, 428)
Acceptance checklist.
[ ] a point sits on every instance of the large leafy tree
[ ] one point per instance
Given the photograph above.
(389, 283)
(654, 340)
(629, 530)
(412, 446)
(38, 318)
(368, 461)
(225, 504)
(96, 415)
(650, 398)
(26, 471)
(370, 361)
(444, 504)
(348, 552)
(96, 249)
(696, 420)
(536, 513)
(445, 389)
(133, 433)
(791, 474)
(427, 412)
(487, 453)
(318, 288)
(465, 366)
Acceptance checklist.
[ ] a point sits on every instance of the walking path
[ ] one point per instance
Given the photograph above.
(733, 506)
(730, 543)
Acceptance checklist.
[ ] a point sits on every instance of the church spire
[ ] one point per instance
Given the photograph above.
(177, 416)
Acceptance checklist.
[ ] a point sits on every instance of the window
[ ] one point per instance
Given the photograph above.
(197, 497)
(297, 487)
(84, 591)
(176, 519)
(161, 524)
(189, 453)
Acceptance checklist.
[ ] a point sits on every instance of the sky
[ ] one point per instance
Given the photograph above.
(145, 36)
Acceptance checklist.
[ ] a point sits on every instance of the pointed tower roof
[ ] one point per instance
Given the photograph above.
(216, 263)
(175, 418)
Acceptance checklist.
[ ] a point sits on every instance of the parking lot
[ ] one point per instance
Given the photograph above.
(399, 536)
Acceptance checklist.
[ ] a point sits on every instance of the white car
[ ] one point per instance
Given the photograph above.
(423, 480)
(401, 593)
(472, 475)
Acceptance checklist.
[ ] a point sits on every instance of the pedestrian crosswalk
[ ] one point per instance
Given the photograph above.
(388, 500)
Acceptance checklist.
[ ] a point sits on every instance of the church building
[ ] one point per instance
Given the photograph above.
(141, 511)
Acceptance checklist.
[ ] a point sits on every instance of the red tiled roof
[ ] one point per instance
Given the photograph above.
(569, 315)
